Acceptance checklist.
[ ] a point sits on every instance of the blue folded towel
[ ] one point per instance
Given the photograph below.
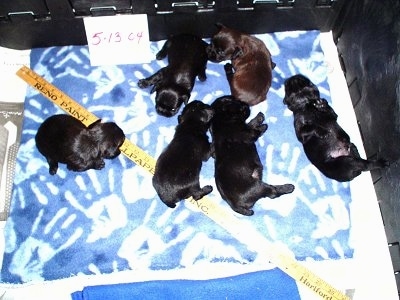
(272, 285)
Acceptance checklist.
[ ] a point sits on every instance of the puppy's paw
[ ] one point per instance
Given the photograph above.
(53, 166)
(202, 77)
(98, 165)
(284, 189)
(257, 120)
(53, 170)
(261, 129)
(257, 124)
(320, 103)
(260, 117)
(159, 56)
(143, 83)
(169, 204)
(197, 195)
(243, 211)
(228, 69)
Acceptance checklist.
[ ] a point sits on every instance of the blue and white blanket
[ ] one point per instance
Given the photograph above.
(100, 222)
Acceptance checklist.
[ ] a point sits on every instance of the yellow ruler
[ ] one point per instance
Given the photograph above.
(223, 216)
(56, 96)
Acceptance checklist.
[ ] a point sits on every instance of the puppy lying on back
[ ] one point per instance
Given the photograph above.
(173, 84)
(238, 169)
(177, 170)
(250, 72)
(325, 143)
(64, 139)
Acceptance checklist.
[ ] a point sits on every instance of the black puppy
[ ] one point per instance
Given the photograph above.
(178, 167)
(64, 139)
(173, 84)
(238, 169)
(325, 143)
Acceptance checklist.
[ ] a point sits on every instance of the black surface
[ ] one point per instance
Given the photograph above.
(368, 37)
(44, 23)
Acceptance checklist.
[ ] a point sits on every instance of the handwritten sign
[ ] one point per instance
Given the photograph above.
(117, 40)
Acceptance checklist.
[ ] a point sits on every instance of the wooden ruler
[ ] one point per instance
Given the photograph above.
(241, 230)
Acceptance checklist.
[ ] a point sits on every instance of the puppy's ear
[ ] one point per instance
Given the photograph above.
(207, 114)
(219, 25)
(179, 119)
(95, 123)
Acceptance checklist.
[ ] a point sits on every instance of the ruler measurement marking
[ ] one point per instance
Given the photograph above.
(220, 216)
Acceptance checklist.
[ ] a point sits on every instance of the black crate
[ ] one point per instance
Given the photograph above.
(28, 24)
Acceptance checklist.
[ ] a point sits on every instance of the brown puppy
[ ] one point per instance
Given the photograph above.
(250, 72)
(64, 139)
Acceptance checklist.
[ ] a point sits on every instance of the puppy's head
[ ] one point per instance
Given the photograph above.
(109, 138)
(224, 44)
(196, 110)
(299, 92)
(229, 108)
(169, 100)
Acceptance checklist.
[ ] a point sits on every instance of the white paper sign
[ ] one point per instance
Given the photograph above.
(118, 40)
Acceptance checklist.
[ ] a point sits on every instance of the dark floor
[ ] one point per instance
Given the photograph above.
(368, 45)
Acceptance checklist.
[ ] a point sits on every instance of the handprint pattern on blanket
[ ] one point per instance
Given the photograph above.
(112, 220)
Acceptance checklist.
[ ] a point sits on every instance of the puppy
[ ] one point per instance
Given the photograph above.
(325, 143)
(238, 169)
(64, 139)
(178, 167)
(173, 84)
(250, 72)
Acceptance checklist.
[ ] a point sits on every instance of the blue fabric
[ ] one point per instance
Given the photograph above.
(257, 285)
(99, 222)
